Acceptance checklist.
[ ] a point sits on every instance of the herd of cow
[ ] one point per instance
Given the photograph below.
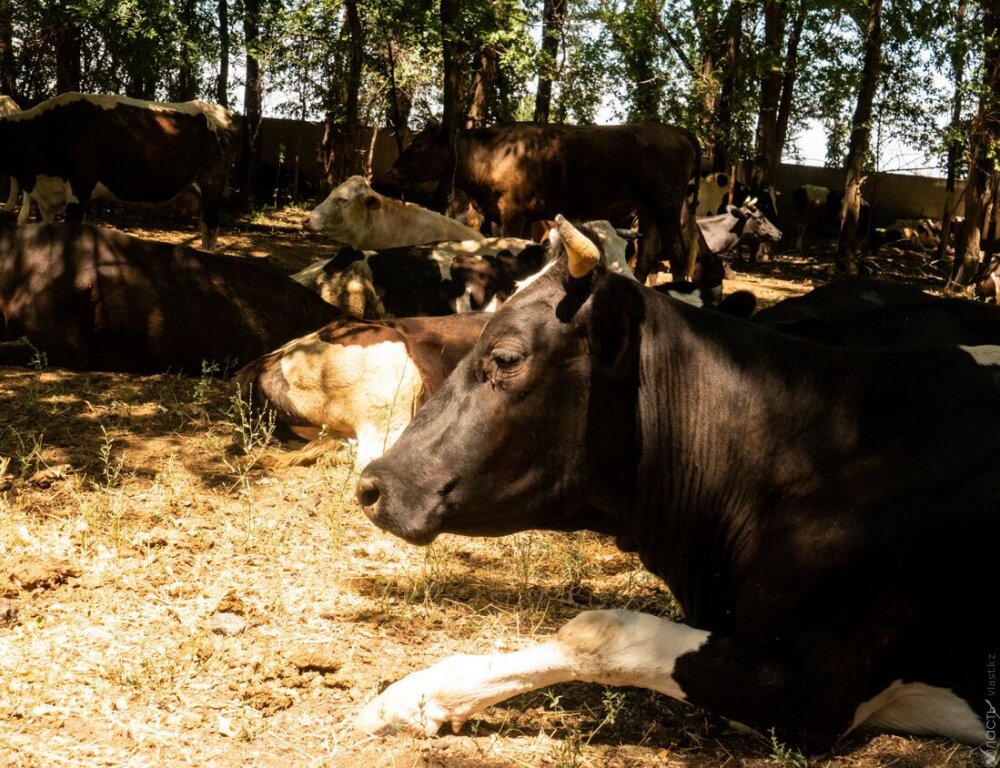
(817, 482)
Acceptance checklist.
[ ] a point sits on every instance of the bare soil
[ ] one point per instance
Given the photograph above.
(164, 604)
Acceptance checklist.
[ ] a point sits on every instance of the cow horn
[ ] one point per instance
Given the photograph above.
(751, 202)
(582, 254)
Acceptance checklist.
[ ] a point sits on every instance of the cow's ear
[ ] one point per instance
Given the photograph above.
(616, 312)
(372, 203)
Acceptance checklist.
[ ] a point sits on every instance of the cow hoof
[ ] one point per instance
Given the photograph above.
(424, 701)
(401, 707)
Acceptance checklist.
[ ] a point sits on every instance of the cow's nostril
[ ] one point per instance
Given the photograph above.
(368, 492)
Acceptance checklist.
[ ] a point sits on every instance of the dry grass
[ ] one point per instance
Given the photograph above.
(128, 522)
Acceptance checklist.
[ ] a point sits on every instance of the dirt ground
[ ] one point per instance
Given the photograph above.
(163, 602)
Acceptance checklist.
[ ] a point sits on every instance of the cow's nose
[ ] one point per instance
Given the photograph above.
(368, 494)
(307, 223)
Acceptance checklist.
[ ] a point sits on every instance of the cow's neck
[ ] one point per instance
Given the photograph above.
(729, 429)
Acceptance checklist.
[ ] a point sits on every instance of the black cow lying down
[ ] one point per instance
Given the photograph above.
(872, 313)
(830, 538)
(356, 378)
(97, 299)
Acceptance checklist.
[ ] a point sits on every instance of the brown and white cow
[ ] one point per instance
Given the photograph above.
(97, 299)
(358, 216)
(522, 172)
(357, 379)
(78, 146)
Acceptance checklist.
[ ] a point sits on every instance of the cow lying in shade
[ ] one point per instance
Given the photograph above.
(354, 378)
(464, 276)
(71, 147)
(809, 511)
(97, 299)
(358, 216)
(872, 313)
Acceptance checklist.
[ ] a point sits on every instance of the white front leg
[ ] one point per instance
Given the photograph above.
(607, 647)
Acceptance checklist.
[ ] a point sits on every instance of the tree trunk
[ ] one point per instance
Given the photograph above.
(398, 123)
(341, 136)
(453, 55)
(553, 12)
(69, 47)
(847, 244)
(765, 166)
(222, 81)
(788, 77)
(726, 57)
(253, 94)
(482, 98)
(954, 146)
(8, 72)
(187, 71)
(980, 187)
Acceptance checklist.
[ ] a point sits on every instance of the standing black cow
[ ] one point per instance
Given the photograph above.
(809, 512)
(77, 146)
(522, 172)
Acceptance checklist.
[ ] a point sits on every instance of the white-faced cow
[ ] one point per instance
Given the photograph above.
(97, 299)
(737, 226)
(522, 172)
(358, 216)
(70, 147)
(830, 538)
(463, 276)
(357, 379)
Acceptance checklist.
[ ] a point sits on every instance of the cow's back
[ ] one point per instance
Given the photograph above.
(594, 172)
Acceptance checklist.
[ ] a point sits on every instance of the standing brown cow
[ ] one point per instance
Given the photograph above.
(520, 172)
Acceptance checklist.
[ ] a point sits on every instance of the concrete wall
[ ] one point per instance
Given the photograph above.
(891, 195)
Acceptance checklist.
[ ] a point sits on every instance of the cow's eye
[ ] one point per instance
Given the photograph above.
(505, 359)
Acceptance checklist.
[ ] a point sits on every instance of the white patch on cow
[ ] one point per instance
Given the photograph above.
(493, 305)
(463, 303)
(8, 106)
(443, 260)
(606, 647)
(921, 709)
(520, 285)
(984, 354)
(688, 297)
(218, 117)
(52, 194)
(369, 392)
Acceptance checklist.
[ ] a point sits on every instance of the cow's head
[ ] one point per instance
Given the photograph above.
(347, 210)
(429, 157)
(752, 223)
(526, 432)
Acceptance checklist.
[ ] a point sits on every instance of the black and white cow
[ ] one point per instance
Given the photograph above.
(830, 538)
(461, 276)
(819, 208)
(78, 146)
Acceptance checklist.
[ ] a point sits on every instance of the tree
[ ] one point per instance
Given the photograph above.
(341, 136)
(253, 94)
(776, 87)
(847, 243)
(553, 12)
(958, 52)
(984, 145)
(222, 80)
